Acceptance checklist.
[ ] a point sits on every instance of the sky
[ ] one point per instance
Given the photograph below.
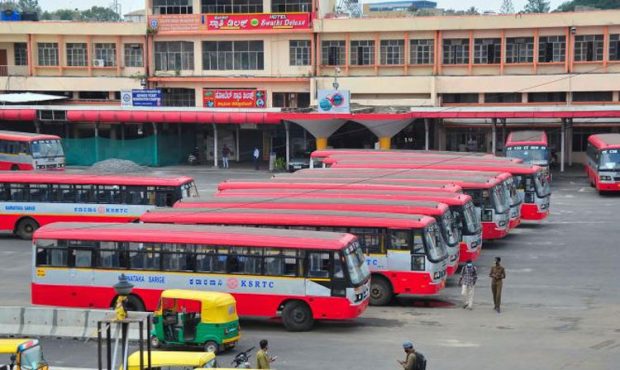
(129, 5)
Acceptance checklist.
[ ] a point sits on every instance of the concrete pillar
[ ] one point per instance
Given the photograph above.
(288, 143)
(494, 137)
(426, 134)
(96, 142)
(215, 149)
(562, 144)
(156, 145)
(321, 129)
(37, 127)
(385, 143)
(321, 143)
(569, 142)
(237, 150)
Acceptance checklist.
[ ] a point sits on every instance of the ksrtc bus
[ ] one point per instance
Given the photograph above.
(461, 206)
(531, 146)
(603, 162)
(335, 185)
(32, 199)
(297, 275)
(406, 253)
(28, 151)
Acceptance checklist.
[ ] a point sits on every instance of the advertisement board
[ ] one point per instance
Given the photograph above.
(239, 98)
(141, 98)
(197, 23)
(334, 101)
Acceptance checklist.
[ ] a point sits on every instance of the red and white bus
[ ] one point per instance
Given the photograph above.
(297, 275)
(531, 146)
(603, 162)
(406, 253)
(487, 193)
(461, 206)
(448, 225)
(334, 185)
(532, 182)
(28, 151)
(32, 199)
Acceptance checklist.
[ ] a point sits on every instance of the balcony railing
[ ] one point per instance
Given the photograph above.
(10, 71)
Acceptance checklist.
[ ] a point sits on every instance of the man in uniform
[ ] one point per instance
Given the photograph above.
(263, 359)
(497, 274)
(409, 363)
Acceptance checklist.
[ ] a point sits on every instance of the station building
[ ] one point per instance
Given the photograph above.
(247, 73)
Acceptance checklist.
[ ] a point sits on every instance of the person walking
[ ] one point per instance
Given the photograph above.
(255, 155)
(469, 275)
(263, 359)
(497, 275)
(409, 363)
(225, 155)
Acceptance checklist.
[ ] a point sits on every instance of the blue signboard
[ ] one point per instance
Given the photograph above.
(146, 98)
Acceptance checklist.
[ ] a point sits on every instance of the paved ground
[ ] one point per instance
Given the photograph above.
(561, 302)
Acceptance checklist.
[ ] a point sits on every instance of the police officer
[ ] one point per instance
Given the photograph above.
(497, 275)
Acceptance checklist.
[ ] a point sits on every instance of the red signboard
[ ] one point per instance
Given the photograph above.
(289, 21)
(225, 98)
(223, 22)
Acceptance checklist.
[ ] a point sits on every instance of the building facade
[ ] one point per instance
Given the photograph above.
(437, 82)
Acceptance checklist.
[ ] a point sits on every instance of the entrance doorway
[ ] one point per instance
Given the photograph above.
(4, 68)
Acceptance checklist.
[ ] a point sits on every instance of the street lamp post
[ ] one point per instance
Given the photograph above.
(123, 289)
(335, 84)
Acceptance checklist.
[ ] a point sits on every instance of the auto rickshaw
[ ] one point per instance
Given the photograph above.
(24, 354)
(172, 360)
(195, 318)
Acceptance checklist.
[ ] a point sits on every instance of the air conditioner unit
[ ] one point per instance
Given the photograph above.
(98, 63)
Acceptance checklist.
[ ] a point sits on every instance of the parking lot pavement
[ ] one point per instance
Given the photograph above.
(561, 302)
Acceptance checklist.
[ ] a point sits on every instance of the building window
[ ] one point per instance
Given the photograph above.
(519, 50)
(232, 6)
(592, 96)
(76, 54)
(421, 51)
(332, 53)
(291, 6)
(547, 97)
(172, 7)
(551, 49)
(588, 48)
(362, 52)
(174, 55)
(178, 97)
(614, 47)
(455, 51)
(502, 98)
(232, 55)
(106, 54)
(134, 55)
(459, 98)
(48, 53)
(487, 51)
(392, 52)
(21, 53)
(299, 51)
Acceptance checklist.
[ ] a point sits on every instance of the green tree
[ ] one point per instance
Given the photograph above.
(472, 11)
(537, 6)
(507, 7)
(29, 6)
(569, 6)
(100, 14)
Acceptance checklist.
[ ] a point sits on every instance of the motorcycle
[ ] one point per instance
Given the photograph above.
(242, 359)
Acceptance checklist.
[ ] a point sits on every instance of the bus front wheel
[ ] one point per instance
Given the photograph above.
(380, 291)
(25, 228)
(297, 316)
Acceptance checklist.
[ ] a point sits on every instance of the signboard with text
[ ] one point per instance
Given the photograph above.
(228, 98)
(226, 22)
(334, 101)
(141, 98)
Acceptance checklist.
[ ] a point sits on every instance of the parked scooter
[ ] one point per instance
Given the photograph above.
(242, 359)
(192, 158)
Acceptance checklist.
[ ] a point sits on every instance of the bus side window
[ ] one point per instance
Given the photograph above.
(400, 240)
(318, 264)
(418, 243)
(250, 261)
(5, 192)
(338, 273)
(370, 239)
(18, 192)
(39, 192)
(84, 193)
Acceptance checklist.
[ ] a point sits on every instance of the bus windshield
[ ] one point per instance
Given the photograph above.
(498, 198)
(610, 159)
(541, 182)
(451, 231)
(47, 148)
(32, 358)
(528, 152)
(470, 218)
(513, 194)
(435, 246)
(356, 264)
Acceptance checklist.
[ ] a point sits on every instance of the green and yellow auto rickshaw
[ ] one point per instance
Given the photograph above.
(23, 354)
(195, 318)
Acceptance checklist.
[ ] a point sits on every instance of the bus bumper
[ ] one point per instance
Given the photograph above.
(490, 231)
(530, 211)
(514, 222)
(608, 186)
(418, 283)
(468, 253)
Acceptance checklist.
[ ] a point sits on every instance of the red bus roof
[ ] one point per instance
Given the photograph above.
(430, 208)
(421, 158)
(218, 235)
(334, 185)
(90, 179)
(413, 180)
(605, 141)
(397, 174)
(25, 136)
(323, 153)
(512, 168)
(285, 217)
(451, 199)
(527, 137)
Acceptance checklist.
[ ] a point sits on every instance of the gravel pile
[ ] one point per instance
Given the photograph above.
(116, 166)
